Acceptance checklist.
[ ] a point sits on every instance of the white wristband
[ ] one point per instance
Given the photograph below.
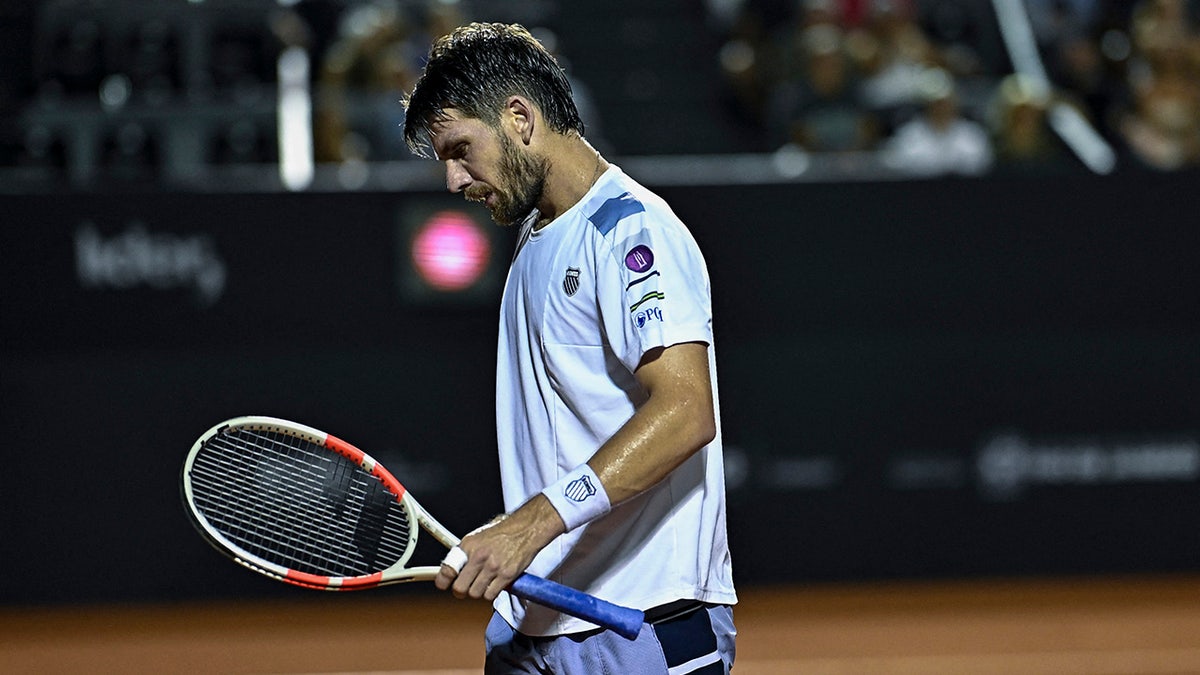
(579, 497)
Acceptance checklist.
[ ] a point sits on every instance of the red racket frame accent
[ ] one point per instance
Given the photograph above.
(368, 463)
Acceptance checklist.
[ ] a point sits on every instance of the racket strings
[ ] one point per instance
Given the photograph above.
(298, 504)
(274, 532)
(341, 537)
(337, 502)
(241, 519)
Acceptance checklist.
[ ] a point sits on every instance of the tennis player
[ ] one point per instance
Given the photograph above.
(607, 415)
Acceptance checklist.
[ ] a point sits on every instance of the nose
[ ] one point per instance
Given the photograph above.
(457, 178)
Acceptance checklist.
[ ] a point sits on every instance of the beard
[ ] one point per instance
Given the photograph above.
(523, 178)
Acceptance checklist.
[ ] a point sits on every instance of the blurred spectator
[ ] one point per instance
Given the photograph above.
(893, 52)
(437, 18)
(744, 63)
(1161, 125)
(1082, 72)
(1055, 20)
(585, 101)
(1085, 48)
(767, 54)
(966, 35)
(818, 109)
(1023, 140)
(364, 72)
(939, 140)
(1166, 26)
(791, 42)
(1162, 128)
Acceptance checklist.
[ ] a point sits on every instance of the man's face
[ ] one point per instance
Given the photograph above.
(489, 167)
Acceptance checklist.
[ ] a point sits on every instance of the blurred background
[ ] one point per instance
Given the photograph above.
(953, 251)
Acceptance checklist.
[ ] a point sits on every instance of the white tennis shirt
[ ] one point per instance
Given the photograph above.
(587, 295)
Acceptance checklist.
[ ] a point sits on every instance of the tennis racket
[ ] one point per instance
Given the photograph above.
(303, 507)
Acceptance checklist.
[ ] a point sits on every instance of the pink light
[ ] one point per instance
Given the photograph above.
(450, 251)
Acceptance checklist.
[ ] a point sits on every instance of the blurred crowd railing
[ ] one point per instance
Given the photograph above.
(186, 92)
(932, 84)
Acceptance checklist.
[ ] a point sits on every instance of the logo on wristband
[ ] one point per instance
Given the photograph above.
(579, 489)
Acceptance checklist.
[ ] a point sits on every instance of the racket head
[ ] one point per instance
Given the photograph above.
(300, 506)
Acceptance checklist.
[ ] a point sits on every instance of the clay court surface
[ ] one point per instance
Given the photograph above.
(1060, 627)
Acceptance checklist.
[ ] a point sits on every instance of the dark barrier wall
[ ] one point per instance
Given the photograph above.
(918, 379)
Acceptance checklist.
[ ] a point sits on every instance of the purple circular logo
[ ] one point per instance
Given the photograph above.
(640, 259)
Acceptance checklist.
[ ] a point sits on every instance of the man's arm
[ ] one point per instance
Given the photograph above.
(675, 421)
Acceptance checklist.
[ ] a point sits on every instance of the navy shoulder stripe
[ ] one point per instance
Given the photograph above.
(612, 211)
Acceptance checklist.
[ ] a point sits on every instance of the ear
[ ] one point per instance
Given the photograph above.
(521, 115)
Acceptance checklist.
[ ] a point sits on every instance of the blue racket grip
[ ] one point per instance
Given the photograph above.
(623, 621)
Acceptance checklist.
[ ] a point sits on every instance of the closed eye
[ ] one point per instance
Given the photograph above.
(456, 149)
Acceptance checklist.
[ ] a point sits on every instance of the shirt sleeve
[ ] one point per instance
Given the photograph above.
(652, 287)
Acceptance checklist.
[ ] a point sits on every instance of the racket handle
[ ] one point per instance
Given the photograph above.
(623, 621)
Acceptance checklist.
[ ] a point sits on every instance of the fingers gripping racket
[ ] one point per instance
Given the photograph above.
(303, 507)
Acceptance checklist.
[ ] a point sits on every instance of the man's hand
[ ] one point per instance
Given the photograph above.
(500, 551)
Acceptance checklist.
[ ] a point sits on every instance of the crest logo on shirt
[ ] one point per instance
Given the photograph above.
(571, 281)
(579, 489)
(640, 258)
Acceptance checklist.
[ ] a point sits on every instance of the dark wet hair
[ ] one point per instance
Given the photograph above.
(475, 68)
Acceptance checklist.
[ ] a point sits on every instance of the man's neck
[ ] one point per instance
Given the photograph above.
(575, 166)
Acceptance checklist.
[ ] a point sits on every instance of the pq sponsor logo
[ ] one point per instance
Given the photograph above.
(640, 319)
(160, 261)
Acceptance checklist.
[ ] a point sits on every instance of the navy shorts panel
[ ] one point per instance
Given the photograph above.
(690, 639)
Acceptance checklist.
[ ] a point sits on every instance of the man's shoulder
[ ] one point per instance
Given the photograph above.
(625, 206)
